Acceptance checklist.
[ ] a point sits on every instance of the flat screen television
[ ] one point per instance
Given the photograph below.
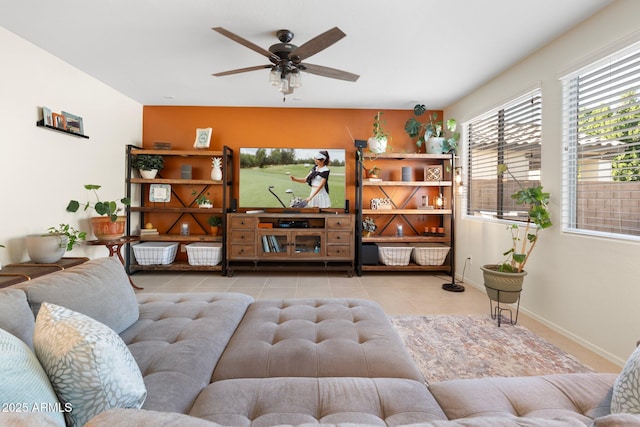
(264, 179)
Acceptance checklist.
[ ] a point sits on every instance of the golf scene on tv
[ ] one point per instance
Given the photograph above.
(285, 178)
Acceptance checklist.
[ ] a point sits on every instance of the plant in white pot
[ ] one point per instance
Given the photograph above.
(50, 247)
(432, 133)
(504, 281)
(378, 141)
(147, 164)
(108, 225)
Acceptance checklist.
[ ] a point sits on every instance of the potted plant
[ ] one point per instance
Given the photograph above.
(374, 172)
(108, 225)
(378, 141)
(432, 132)
(202, 200)
(504, 281)
(215, 222)
(368, 226)
(50, 247)
(147, 164)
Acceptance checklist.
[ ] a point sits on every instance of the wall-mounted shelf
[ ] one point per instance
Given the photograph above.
(40, 123)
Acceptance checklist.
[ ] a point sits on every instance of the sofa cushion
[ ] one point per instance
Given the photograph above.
(583, 396)
(15, 315)
(99, 288)
(25, 386)
(316, 338)
(626, 389)
(178, 341)
(295, 401)
(88, 364)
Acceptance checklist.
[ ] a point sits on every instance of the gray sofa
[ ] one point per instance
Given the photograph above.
(211, 359)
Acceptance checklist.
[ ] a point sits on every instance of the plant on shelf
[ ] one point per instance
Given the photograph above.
(108, 224)
(378, 141)
(432, 132)
(202, 200)
(368, 225)
(508, 276)
(147, 164)
(73, 235)
(374, 172)
(215, 222)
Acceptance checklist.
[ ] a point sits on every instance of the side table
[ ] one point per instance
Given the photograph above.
(12, 274)
(115, 246)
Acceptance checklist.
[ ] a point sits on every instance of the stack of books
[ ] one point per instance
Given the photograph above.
(149, 232)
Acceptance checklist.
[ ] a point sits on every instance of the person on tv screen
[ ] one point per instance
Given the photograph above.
(318, 179)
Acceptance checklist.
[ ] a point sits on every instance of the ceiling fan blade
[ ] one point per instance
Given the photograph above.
(236, 38)
(241, 70)
(317, 44)
(330, 72)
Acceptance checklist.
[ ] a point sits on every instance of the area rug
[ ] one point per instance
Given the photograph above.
(459, 346)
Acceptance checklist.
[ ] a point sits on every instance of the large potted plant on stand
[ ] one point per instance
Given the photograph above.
(432, 133)
(503, 281)
(108, 225)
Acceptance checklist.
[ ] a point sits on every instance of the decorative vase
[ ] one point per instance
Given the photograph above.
(148, 174)
(46, 248)
(105, 229)
(367, 234)
(377, 145)
(214, 230)
(434, 145)
(501, 286)
(216, 173)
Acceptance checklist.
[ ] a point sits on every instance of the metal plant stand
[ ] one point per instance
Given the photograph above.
(496, 311)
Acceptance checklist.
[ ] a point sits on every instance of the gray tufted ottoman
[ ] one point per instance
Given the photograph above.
(315, 338)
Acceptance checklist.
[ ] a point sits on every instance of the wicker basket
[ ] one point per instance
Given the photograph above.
(155, 253)
(202, 253)
(394, 253)
(429, 253)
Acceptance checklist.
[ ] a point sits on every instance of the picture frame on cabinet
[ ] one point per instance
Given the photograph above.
(59, 121)
(47, 116)
(203, 138)
(74, 123)
(433, 173)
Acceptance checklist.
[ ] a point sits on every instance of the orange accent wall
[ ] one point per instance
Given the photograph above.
(239, 127)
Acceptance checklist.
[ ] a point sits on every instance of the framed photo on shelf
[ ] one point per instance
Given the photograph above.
(74, 123)
(46, 116)
(203, 138)
(160, 193)
(59, 121)
(433, 173)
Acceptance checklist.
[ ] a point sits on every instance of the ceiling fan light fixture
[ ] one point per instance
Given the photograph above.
(284, 85)
(295, 79)
(274, 77)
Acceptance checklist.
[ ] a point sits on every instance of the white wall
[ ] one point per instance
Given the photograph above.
(587, 288)
(41, 169)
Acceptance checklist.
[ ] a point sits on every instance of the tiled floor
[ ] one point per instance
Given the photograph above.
(397, 293)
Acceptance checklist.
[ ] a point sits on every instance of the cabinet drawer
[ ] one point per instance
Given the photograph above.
(339, 251)
(243, 222)
(247, 237)
(339, 222)
(241, 251)
(339, 237)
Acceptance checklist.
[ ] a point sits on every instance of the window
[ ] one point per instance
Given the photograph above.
(510, 136)
(601, 142)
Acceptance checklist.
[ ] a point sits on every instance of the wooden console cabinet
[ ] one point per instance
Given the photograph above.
(290, 241)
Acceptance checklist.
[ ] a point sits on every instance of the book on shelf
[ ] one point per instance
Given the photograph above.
(149, 232)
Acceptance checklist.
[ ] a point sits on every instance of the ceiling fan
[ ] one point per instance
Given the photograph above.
(286, 58)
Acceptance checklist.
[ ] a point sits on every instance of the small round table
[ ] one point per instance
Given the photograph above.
(114, 246)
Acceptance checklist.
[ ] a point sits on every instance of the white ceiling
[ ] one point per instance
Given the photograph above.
(163, 52)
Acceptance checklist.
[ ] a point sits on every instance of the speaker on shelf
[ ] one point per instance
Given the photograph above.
(234, 205)
(346, 206)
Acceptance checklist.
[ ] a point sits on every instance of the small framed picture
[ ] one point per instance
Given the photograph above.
(203, 138)
(160, 193)
(46, 116)
(433, 173)
(59, 121)
(74, 123)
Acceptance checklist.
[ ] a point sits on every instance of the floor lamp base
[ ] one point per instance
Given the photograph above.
(453, 287)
